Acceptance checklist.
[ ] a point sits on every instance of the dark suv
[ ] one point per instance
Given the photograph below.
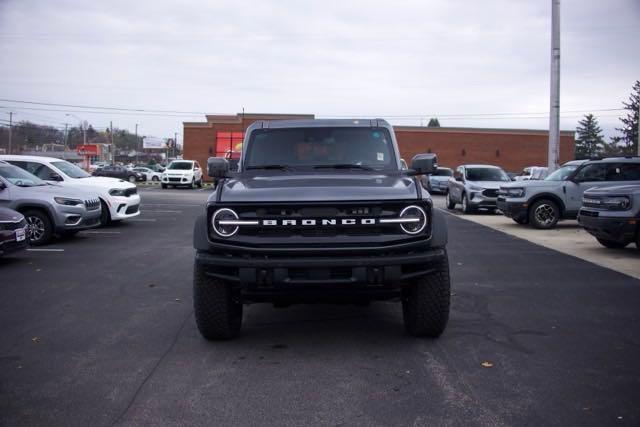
(320, 211)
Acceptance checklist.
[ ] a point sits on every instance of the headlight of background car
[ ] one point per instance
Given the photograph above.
(617, 203)
(67, 202)
(514, 192)
(117, 192)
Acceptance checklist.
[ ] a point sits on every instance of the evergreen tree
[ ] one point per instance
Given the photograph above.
(630, 122)
(433, 123)
(589, 142)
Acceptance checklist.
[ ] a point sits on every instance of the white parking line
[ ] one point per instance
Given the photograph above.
(142, 220)
(101, 232)
(45, 250)
(160, 211)
(171, 204)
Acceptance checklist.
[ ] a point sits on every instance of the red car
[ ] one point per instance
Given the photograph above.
(13, 231)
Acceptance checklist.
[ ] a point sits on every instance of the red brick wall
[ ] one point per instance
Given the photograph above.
(512, 151)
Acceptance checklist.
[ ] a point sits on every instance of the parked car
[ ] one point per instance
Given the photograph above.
(97, 165)
(183, 173)
(49, 209)
(120, 172)
(119, 199)
(13, 231)
(475, 186)
(150, 175)
(155, 167)
(559, 196)
(532, 172)
(612, 214)
(437, 182)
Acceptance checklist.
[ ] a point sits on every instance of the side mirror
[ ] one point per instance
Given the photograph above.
(217, 167)
(424, 164)
(55, 177)
(2, 186)
(457, 176)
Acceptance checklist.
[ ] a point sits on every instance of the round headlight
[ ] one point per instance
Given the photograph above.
(218, 222)
(418, 217)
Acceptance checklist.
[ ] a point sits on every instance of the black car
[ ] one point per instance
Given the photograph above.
(320, 211)
(120, 172)
(13, 231)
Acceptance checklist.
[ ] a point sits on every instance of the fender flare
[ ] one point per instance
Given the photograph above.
(200, 241)
(439, 231)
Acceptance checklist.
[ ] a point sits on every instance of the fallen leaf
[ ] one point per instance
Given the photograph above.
(487, 364)
(152, 285)
(35, 339)
(178, 299)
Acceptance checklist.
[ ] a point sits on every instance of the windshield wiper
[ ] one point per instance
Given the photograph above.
(343, 166)
(267, 167)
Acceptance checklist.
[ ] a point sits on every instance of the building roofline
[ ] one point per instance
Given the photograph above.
(481, 130)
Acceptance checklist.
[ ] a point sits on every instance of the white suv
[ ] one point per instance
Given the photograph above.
(182, 172)
(119, 199)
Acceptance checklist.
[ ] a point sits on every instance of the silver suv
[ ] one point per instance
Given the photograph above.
(49, 209)
(612, 214)
(559, 196)
(475, 186)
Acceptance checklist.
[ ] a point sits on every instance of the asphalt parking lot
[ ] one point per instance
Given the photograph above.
(99, 330)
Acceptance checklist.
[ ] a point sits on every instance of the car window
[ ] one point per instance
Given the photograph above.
(591, 172)
(486, 174)
(42, 171)
(198, 165)
(70, 169)
(630, 172)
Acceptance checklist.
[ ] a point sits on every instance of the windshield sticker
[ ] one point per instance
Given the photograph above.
(381, 157)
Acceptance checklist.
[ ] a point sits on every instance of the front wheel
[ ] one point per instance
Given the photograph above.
(217, 306)
(450, 203)
(39, 227)
(611, 244)
(200, 183)
(426, 303)
(105, 215)
(132, 179)
(155, 179)
(544, 214)
(465, 204)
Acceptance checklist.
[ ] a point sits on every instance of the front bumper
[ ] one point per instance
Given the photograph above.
(124, 207)
(75, 218)
(515, 210)
(286, 275)
(177, 180)
(479, 200)
(621, 230)
(9, 242)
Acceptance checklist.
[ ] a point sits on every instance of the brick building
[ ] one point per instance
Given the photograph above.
(512, 149)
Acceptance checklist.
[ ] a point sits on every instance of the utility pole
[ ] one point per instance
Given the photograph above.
(175, 143)
(137, 143)
(638, 148)
(66, 127)
(554, 104)
(10, 129)
(113, 149)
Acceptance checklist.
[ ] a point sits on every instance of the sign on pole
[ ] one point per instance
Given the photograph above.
(152, 142)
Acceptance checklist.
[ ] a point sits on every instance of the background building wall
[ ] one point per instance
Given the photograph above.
(512, 149)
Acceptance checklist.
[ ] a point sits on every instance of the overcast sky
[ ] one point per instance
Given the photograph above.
(402, 60)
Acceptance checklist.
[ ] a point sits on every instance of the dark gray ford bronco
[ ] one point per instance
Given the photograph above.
(320, 211)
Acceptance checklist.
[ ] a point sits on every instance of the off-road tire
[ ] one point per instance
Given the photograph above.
(611, 244)
(534, 215)
(218, 309)
(42, 219)
(105, 214)
(450, 203)
(426, 302)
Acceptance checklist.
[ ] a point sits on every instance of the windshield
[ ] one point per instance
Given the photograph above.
(71, 170)
(20, 177)
(562, 173)
(443, 172)
(181, 166)
(486, 174)
(362, 147)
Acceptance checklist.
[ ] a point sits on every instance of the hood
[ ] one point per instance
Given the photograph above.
(495, 185)
(533, 184)
(10, 215)
(178, 172)
(54, 190)
(318, 187)
(99, 183)
(619, 189)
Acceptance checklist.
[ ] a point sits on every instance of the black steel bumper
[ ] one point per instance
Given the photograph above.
(615, 229)
(515, 210)
(284, 274)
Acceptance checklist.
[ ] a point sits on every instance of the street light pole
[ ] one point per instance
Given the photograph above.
(554, 103)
